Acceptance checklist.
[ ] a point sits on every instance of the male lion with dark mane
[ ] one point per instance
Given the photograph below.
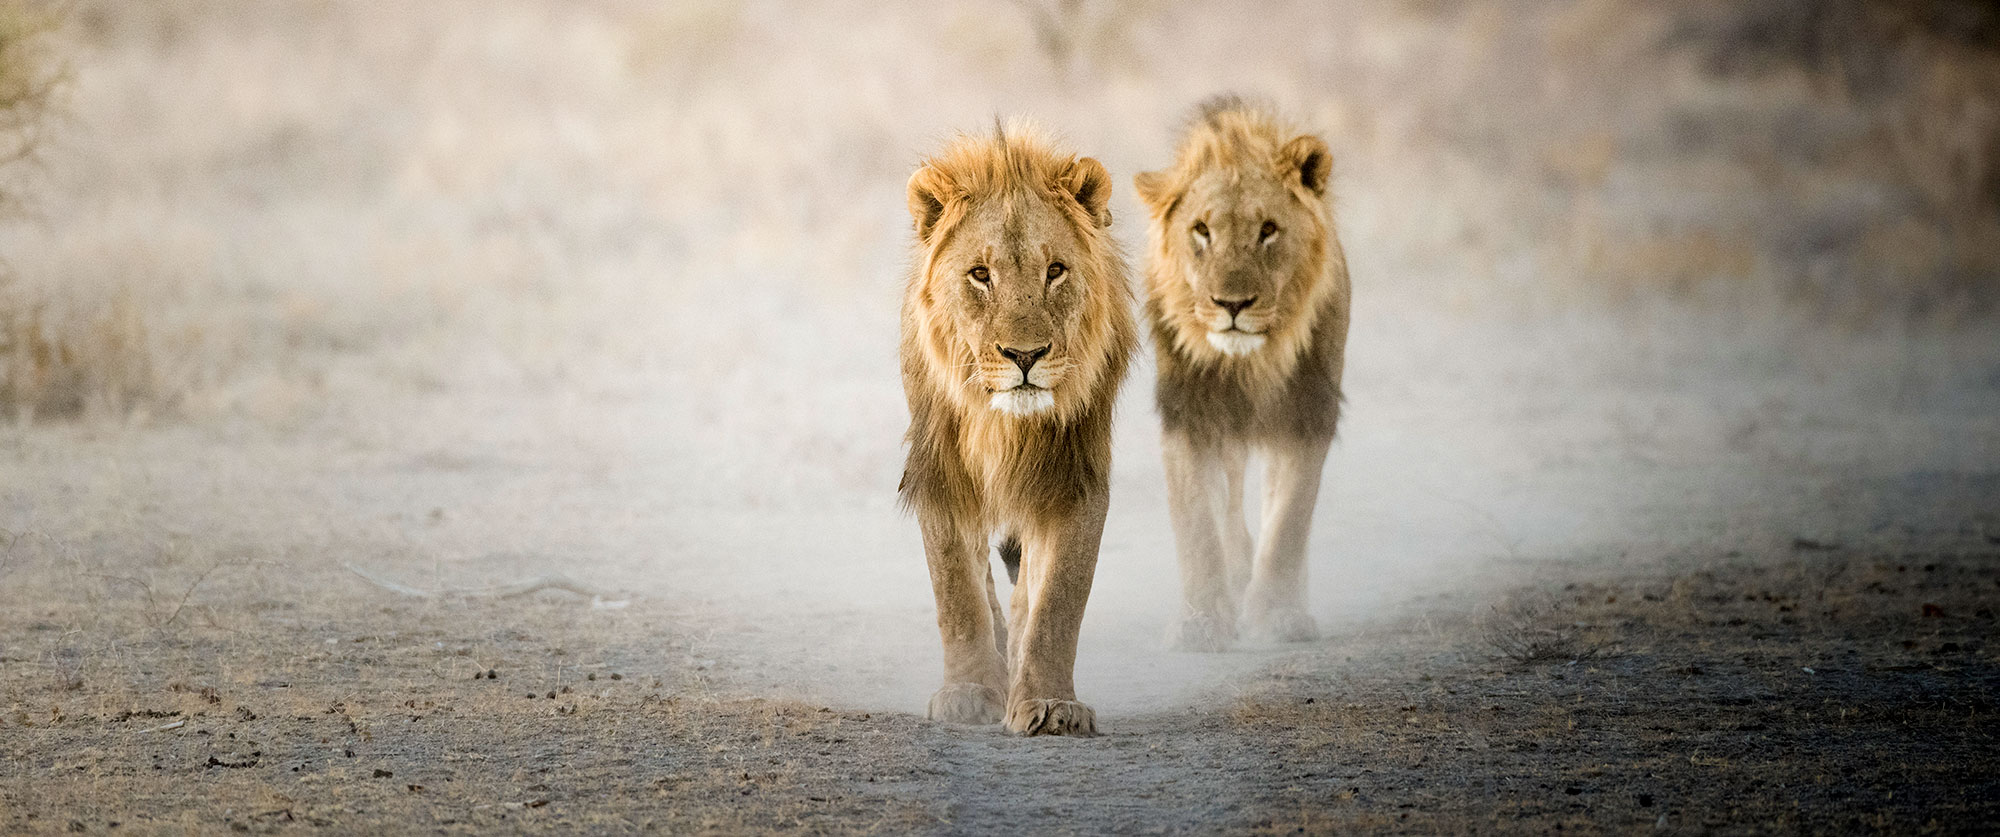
(1017, 326)
(1247, 300)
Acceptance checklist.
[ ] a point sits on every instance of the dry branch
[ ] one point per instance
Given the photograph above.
(550, 581)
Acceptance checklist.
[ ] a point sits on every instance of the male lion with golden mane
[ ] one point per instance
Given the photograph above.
(1247, 299)
(1017, 326)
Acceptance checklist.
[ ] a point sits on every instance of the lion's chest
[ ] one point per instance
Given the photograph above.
(1252, 399)
(991, 448)
(1024, 471)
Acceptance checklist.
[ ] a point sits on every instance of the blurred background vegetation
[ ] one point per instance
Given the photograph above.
(30, 73)
(248, 209)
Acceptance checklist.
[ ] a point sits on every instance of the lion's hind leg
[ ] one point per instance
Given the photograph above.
(999, 615)
(1010, 556)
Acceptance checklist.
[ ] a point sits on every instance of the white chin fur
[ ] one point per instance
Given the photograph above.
(1235, 343)
(1023, 402)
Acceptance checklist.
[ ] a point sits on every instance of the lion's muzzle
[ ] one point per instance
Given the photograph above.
(1022, 385)
(1234, 328)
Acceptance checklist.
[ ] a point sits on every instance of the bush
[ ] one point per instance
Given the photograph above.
(37, 364)
(29, 76)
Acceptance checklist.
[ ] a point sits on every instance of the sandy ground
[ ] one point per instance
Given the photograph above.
(1667, 497)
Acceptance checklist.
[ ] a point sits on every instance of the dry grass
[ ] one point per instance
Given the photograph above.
(59, 360)
(1528, 634)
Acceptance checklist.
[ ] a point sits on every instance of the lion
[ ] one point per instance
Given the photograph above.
(1017, 325)
(1247, 301)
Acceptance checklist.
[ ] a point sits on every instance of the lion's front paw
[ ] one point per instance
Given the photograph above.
(966, 703)
(1280, 624)
(1051, 717)
(1201, 633)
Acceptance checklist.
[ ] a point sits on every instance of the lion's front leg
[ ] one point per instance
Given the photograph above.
(975, 671)
(1197, 499)
(1275, 603)
(1056, 573)
(1237, 548)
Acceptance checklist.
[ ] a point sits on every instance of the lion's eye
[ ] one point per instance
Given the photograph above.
(1269, 232)
(980, 274)
(1056, 270)
(1200, 231)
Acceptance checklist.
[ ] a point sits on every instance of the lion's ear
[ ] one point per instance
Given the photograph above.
(1307, 155)
(929, 190)
(1090, 184)
(1152, 188)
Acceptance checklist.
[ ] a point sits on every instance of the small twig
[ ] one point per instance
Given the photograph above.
(172, 617)
(388, 585)
(550, 581)
(153, 604)
(167, 726)
(532, 803)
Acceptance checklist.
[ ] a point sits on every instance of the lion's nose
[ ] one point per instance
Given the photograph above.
(1024, 358)
(1233, 306)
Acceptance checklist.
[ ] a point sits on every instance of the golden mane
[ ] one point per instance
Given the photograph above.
(960, 450)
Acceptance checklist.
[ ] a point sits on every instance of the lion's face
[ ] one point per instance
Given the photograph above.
(1243, 240)
(1015, 300)
(1010, 277)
